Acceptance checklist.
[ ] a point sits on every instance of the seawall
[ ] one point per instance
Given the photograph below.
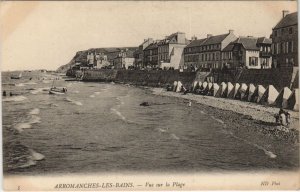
(140, 77)
(279, 78)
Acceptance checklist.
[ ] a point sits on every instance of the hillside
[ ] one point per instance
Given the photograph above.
(81, 56)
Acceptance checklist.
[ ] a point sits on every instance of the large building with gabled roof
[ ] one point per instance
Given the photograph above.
(206, 53)
(285, 41)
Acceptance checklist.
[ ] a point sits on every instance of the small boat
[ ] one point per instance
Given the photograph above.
(16, 77)
(57, 90)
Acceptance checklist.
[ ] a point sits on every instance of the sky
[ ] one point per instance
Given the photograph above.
(46, 35)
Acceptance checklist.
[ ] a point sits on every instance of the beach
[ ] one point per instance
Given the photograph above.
(260, 116)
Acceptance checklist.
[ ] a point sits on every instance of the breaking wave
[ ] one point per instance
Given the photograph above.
(21, 126)
(115, 111)
(30, 83)
(34, 111)
(15, 98)
(20, 85)
(173, 136)
(74, 102)
(32, 159)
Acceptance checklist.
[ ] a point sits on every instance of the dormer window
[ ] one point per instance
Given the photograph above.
(291, 30)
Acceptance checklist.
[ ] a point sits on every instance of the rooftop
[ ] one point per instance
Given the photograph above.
(288, 20)
(196, 43)
(251, 43)
(215, 39)
(229, 47)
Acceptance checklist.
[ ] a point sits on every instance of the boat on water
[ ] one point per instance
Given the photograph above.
(16, 77)
(57, 90)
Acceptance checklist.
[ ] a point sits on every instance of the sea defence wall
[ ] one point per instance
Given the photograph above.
(279, 78)
(140, 77)
(102, 75)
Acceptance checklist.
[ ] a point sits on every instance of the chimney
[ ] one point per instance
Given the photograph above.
(194, 38)
(231, 31)
(285, 13)
(209, 35)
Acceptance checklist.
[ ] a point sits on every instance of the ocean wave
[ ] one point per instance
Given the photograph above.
(97, 92)
(30, 83)
(92, 96)
(21, 126)
(15, 98)
(46, 81)
(29, 163)
(32, 159)
(267, 152)
(34, 111)
(20, 85)
(72, 101)
(120, 100)
(34, 119)
(218, 120)
(36, 156)
(118, 113)
(163, 130)
(173, 136)
(36, 91)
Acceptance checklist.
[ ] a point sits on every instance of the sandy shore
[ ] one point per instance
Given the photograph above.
(260, 117)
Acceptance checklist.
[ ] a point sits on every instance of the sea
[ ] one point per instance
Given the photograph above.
(101, 127)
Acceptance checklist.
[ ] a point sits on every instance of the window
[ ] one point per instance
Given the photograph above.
(253, 61)
(282, 48)
(275, 33)
(292, 46)
(292, 61)
(290, 30)
(287, 61)
(287, 47)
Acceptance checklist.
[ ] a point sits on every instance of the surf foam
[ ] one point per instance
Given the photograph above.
(118, 113)
(15, 98)
(72, 101)
(34, 111)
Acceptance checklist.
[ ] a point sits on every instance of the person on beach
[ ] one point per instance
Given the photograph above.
(190, 104)
(283, 117)
(287, 117)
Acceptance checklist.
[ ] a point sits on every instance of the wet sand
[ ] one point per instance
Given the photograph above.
(240, 114)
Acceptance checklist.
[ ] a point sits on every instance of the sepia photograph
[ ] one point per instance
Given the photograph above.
(149, 95)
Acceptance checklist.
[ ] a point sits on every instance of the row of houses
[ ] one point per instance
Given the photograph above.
(215, 51)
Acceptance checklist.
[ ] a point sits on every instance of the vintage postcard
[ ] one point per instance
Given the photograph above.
(149, 95)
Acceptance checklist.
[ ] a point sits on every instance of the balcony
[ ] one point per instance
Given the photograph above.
(265, 54)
